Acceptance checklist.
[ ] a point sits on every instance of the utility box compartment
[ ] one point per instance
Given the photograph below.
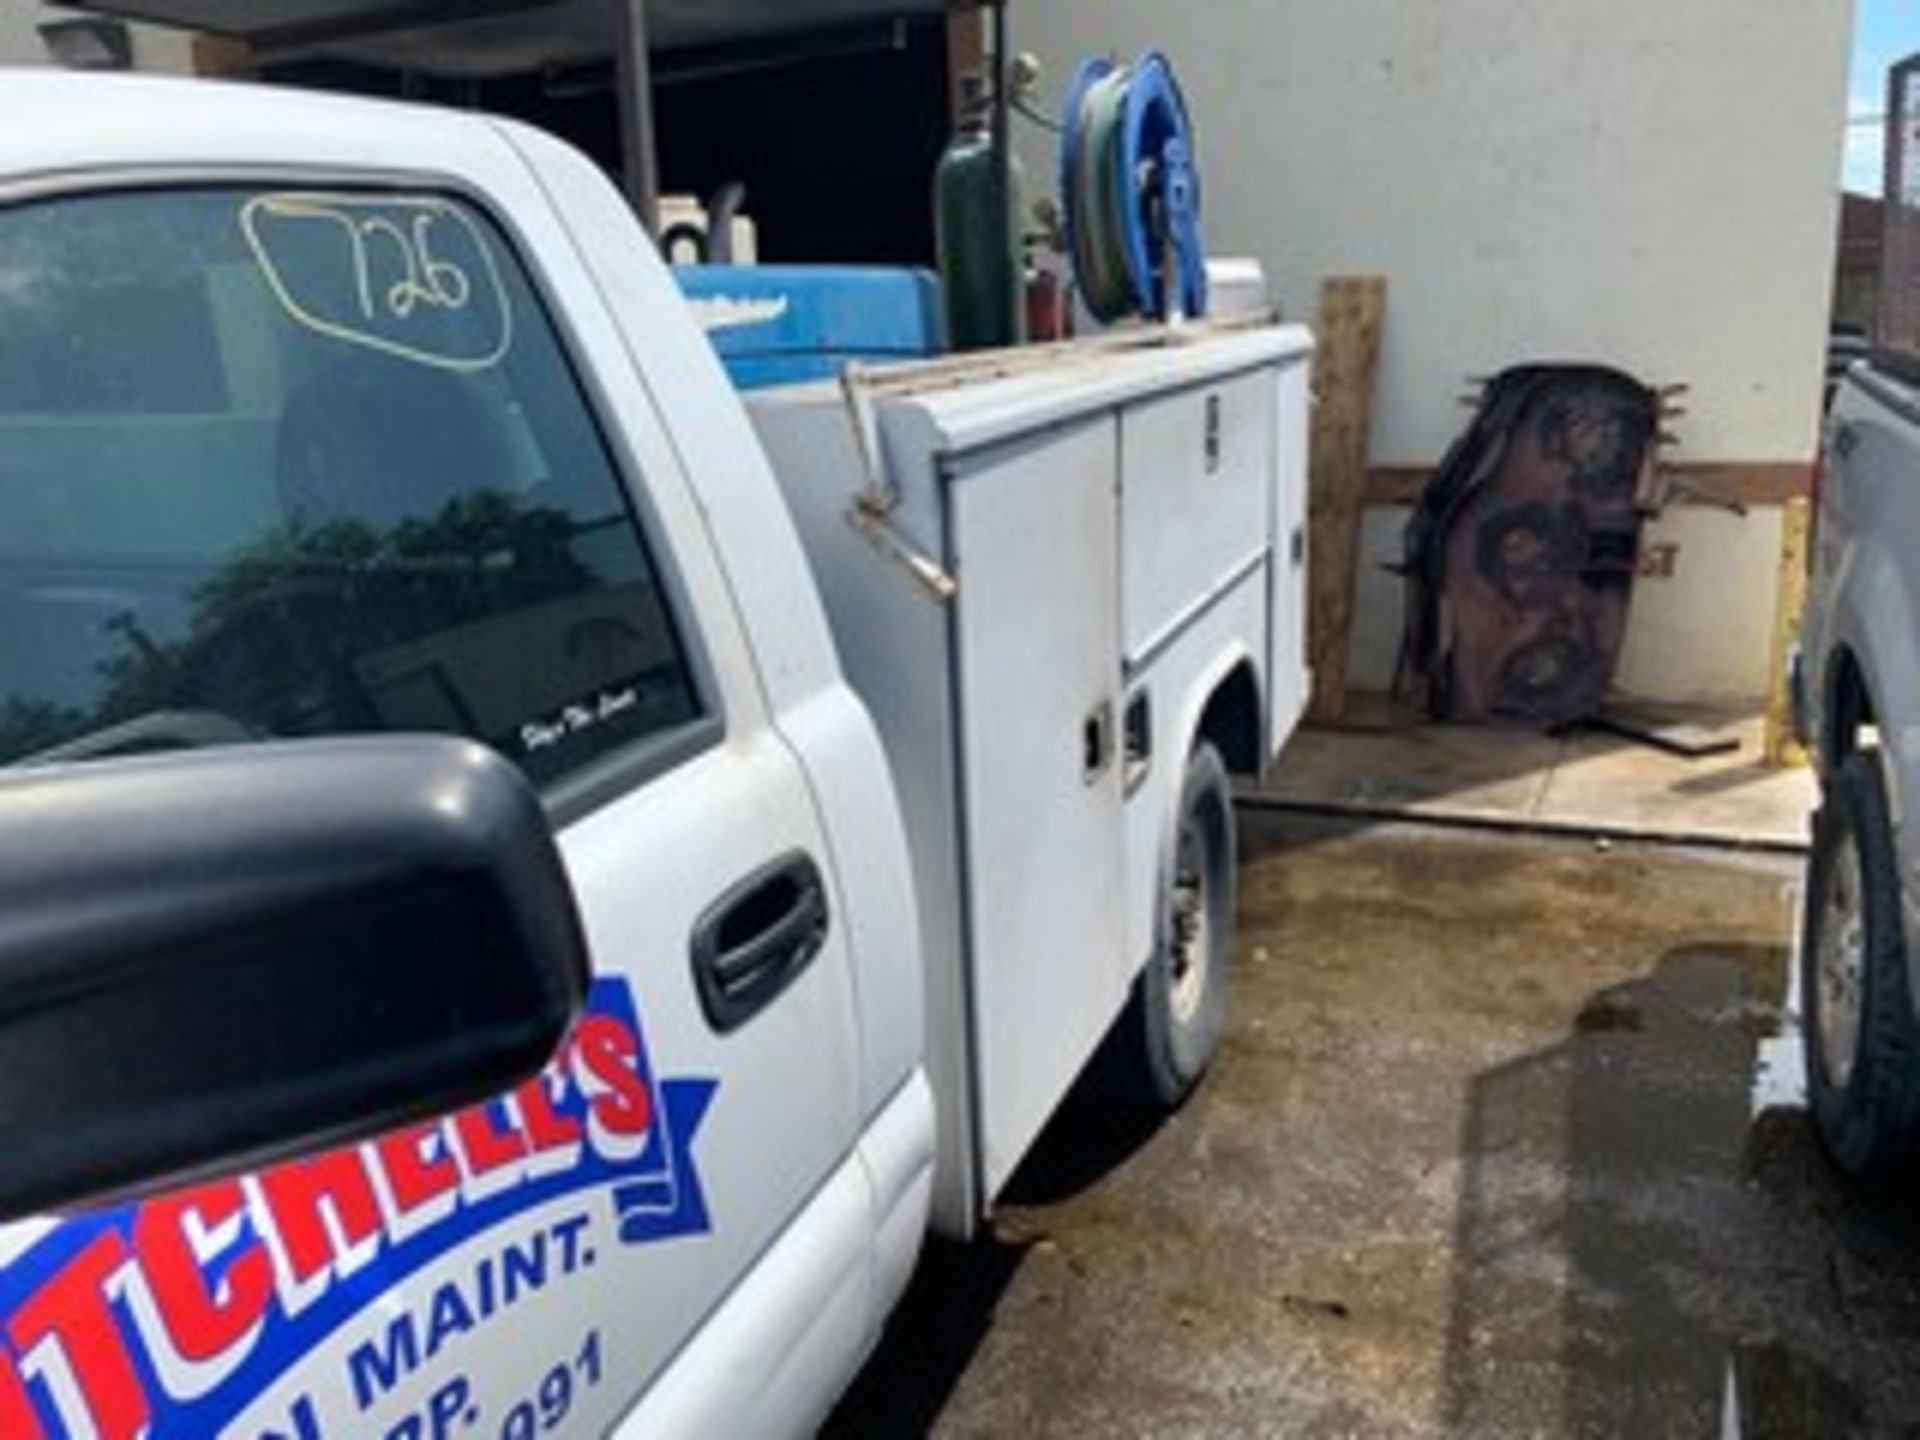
(1017, 549)
(1287, 523)
(1036, 530)
(1195, 470)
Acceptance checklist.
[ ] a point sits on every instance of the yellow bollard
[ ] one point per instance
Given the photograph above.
(1783, 751)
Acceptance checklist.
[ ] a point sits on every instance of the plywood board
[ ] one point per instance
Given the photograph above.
(1352, 315)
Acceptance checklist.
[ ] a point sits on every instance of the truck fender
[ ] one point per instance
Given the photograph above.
(1869, 623)
(1213, 684)
(1867, 626)
(1189, 726)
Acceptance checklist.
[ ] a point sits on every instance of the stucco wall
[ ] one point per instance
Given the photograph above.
(1642, 182)
(20, 43)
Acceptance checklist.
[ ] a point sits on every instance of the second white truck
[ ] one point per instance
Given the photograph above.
(887, 735)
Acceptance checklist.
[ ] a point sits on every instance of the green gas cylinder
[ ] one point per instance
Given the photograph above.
(977, 222)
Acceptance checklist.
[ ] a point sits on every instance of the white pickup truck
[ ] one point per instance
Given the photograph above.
(880, 738)
(1856, 690)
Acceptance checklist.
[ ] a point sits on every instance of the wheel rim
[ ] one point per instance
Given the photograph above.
(1192, 925)
(1841, 963)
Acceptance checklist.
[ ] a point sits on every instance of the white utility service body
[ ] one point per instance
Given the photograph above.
(876, 695)
(1040, 569)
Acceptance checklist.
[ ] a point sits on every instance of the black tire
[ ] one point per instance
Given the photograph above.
(1866, 1097)
(1179, 1002)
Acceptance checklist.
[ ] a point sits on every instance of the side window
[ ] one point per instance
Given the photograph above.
(292, 464)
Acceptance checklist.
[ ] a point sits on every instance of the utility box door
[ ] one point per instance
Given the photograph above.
(1036, 539)
(1289, 685)
(1196, 482)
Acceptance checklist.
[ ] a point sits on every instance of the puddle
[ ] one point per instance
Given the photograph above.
(1780, 1069)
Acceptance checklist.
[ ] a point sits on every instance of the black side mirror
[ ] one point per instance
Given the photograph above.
(218, 959)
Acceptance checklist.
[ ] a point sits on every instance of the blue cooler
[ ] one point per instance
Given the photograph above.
(789, 324)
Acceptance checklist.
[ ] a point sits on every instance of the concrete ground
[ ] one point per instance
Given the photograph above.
(1497, 1144)
(1381, 764)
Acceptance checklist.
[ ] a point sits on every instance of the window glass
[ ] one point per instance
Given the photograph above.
(282, 464)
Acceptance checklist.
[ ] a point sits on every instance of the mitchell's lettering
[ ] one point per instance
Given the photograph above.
(197, 1279)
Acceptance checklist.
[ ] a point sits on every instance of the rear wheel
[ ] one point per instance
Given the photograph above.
(1863, 1046)
(1180, 1000)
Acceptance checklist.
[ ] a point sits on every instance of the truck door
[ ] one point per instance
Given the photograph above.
(278, 464)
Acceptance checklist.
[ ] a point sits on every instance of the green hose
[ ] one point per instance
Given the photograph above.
(1100, 255)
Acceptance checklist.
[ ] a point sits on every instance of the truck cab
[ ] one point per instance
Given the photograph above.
(318, 421)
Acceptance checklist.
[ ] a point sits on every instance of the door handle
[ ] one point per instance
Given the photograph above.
(1096, 743)
(1138, 727)
(1846, 439)
(757, 939)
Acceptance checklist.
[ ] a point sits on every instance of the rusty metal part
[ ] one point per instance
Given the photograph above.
(1522, 550)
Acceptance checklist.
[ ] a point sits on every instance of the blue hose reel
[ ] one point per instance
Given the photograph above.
(1130, 189)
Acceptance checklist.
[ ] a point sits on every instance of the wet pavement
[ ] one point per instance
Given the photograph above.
(1484, 1153)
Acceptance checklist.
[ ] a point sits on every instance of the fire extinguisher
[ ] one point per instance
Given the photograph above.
(1049, 309)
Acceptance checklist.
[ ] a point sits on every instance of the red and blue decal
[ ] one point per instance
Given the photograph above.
(171, 1316)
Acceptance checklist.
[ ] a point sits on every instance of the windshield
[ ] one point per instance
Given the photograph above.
(286, 463)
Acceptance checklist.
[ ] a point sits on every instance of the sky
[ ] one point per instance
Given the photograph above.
(1884, 31)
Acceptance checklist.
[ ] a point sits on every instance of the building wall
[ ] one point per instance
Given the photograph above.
(1648, 184)
(20, 43)
(1856, 286)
